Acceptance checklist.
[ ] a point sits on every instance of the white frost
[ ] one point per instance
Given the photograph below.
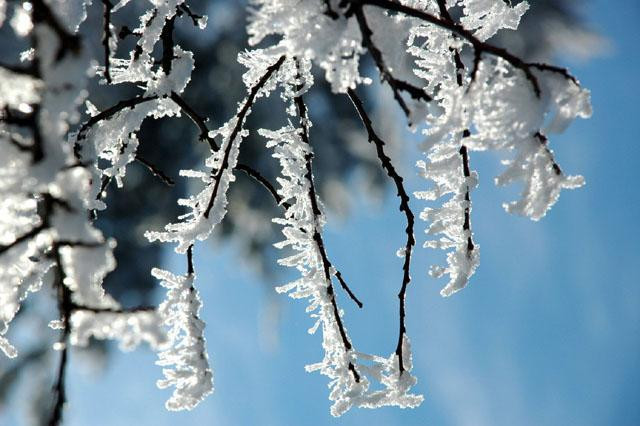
(186, 352)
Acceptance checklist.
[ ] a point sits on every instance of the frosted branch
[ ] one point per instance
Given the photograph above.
(385, 161)
(186, 352)
(386, 75)
(479, 46)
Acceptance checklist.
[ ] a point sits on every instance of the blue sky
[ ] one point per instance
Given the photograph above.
(547, 333)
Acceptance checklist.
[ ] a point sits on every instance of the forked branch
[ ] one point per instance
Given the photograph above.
(404, 207)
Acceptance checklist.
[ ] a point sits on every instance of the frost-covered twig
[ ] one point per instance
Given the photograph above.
(213, 199)
(464, 260)
(478, 45)
(304, 136)
(186, 351)
(45, 197)
(351, 372)
(406, 252)
(197, 120)
(155, 171)
(386, 75)
(106, 35)
(544, 142)
(106, 115)
(65, 309)
(240, 117)
(200, 122)
(315, 231)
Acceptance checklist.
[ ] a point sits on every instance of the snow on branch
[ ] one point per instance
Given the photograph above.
(464, 94)
(48, 183)
(407, 250)
(302, 227)
(208, 208)
(351, 372)
(186, 352)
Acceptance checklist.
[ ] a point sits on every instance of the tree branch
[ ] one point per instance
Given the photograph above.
(346, 288)
(105, 38)
(467, 208)
(65, 308)
(544, 141)
(200, 122)
(32, 233)
(395, 84)
(190, 268)
(155, 171)
(47, 204)
(195, 18)
(404, 207)
(460, 70)
(95, 310)
(254, 174)
(30, 121)
(479, 46)
(167, 44)
(317, 237)
(240, 120)
(105, 115)
(30, 70)
(197, 120)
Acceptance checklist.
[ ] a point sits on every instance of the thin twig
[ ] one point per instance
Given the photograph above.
(195, 18)
(467, 198)
(544, 141)
(239, 122)
(304, 122)
(29, 70)
(404, 207)
(32, 233)
(65, 308)
(200, 122)
(317, 237)
(196, 118)
(155, 171)
(329, 11)
(96, 310)
(167, 44)
(346, 288)
(30, 121)
(395, 84)
(105, 39)
(254, 174)
(47, 204)
(105, 115)
(466, 170)
(190, 268)
(478, 45)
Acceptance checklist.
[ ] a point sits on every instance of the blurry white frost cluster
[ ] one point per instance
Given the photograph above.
(465, 94)
(51, 180)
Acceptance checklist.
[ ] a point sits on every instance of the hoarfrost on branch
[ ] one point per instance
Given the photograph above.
(464, 94)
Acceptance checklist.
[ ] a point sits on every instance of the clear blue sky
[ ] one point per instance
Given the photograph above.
(547, 333)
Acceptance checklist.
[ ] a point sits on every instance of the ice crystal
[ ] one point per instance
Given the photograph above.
(186, 352)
